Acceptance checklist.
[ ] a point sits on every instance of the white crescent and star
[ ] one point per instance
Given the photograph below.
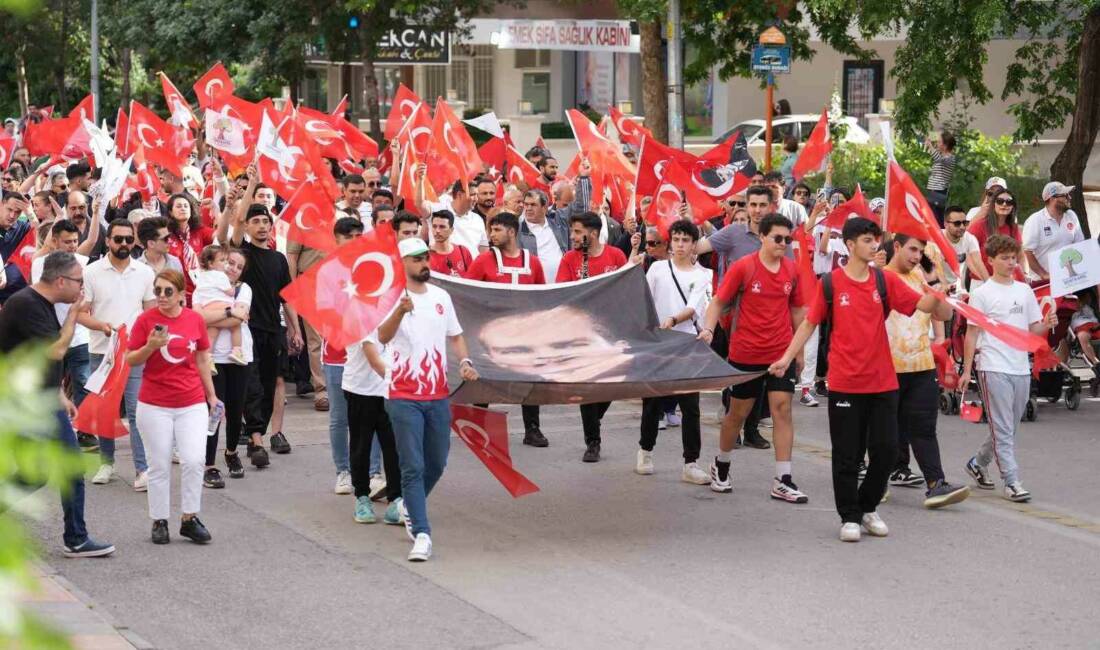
(418, 131)
(383, 261)
(141, 136)
(667, 188)
(401, 108)
(312, 207)
(213, 82)
(312, 128)
(447, 138)
(464, 429)
(164, 350)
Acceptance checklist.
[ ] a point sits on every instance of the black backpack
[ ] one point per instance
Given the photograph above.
(880, 284)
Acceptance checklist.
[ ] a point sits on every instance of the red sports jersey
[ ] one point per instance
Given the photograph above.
(608, 260)
(764, 328)
(528, 269)
(455, 263)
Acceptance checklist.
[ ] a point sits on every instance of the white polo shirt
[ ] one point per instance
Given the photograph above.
(80, 333)
(1043, 234)
(115, 297)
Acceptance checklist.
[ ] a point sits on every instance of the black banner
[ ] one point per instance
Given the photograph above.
(590, 341)
(414, 44)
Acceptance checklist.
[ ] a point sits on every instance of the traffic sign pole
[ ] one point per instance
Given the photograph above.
(768, 123)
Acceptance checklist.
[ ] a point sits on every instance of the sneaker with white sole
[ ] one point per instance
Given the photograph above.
(978, 473)
(672, 420)
(89, 548)
(393, 515)
(784, 489)
(807, 399)
(905, 477)
(717, 483)
(1016, 492)
(141, 482)
(343, 483)
(644, 465)
(662, 424)
(849, 532)
(377, 487)
(874, 525)
(422, 548)
(103, 474)
(694, 474)
(943, 494)
(364, 511)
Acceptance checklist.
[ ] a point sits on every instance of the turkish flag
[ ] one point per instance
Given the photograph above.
(454, 143)
(144, 180)
(164, 145)
(630, 131)
(361, 144)
(23, 254)
(180, 108)
(604, 156)
(520, 170)
(341, 107)
(485, 432)
(7, 147)
(494, 154)
(85, 110)
(348, 294)
(98, 413)
(405, 102)
(351, 168)
(854, 207)
(63, 138)
(213, 85)
(122, 127)
(815, 150)
(417, 132)
(909, 214)
(320, 170)
(310, 216)
(652, 158)
(408, 183)
(664, 209)
(329, 138)
(282, 166)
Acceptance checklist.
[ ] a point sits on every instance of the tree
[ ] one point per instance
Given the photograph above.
(650, 16)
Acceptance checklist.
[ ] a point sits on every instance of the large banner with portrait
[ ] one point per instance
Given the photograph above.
(594, 340)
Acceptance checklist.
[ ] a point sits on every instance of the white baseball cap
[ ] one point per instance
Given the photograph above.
(1054, 188)
(412, 247)
(996, 180)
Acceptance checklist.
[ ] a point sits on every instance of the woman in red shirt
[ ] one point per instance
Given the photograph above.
(187, 236)
(176, 391)
(1003, 207)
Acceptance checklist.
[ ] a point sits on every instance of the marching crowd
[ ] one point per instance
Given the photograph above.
(195, 274)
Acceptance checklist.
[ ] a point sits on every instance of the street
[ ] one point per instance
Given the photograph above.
(604, 558)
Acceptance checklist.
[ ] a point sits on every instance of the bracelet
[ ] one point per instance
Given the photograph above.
(466, 361)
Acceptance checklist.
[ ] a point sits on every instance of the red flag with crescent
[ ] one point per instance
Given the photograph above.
(521, 170)
(909, 213)
(98, 413)
(454, 143)
(485, 432)
(23, 254)
(815, 150)
(630, 131)
(854, 207)
(213, 85)
(310, 215)
(7, 147)
(164, 145)
(178, 107)
(348, 294)
(405, 102)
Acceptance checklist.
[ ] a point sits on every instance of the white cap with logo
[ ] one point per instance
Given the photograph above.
(412, 247)
(1054, 188)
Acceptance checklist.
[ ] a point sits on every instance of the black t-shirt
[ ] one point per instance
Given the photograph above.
(267, 273)
(28, 316)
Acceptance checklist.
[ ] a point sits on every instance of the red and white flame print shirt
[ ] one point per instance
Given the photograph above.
(419, 349)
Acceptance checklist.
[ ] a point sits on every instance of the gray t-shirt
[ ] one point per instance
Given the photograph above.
(734, 242)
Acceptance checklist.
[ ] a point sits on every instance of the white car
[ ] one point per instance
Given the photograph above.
(800, 126)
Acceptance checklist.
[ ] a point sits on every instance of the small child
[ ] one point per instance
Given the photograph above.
(213, 289)
(1086, 327)
(1004, 373)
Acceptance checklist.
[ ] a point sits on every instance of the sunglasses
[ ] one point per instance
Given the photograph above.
(167, 292)
(7, 179)
(373, 184)
(1005, 202)
(958, 223)
(736, 204)
(781, 239)
(650, 243)
(119, 239)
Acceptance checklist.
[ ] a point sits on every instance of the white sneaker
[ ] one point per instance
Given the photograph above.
(103, 474)
(694, 474)
(672, 420)
(716, 482)
(141, 483)
(644, 465)
(807, 399)
(662, 424)
(784, 489)
(874, 525)
(343, 483)
(766, 423)
(377, 487)
(1016, 492)
(422, 548)
(849, 532)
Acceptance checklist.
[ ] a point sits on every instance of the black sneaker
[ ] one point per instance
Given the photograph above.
(90, 548)
(862, 469)
(820, 390)
(160, 531)
(592, 454)
(212, 478)
(279, 443)
(904, 477)
(87, 441)
(193, 530)
(756, 441)
(258, 456)
(233, 464)
(978, 473)
(535, 438)
(943, 494)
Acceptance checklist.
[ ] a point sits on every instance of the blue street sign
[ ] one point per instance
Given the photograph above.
(771, 58)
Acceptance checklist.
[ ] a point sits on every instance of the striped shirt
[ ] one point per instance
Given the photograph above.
(943, 167)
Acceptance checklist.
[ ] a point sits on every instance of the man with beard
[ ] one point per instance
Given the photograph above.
(548, 170)
(589, 258)
(12, 232)
(1055, 226)
(486, 198)
(445, 256)
(117, 289)
(76, 209)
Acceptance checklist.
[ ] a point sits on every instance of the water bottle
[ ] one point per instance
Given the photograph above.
(215, 418)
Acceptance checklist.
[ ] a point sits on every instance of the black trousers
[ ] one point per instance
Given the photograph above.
(859, 421)
(367, 417)
(823, 331)
(230, 385)
(652, 410)
(918, 408)
(269, 352)
(591, 414)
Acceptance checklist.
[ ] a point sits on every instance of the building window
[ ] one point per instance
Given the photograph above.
(536, 89)
(532, 58)
(862, 91)
(315, 89)
(435, 82)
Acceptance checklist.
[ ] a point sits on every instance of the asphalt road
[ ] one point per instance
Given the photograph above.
(604, 558)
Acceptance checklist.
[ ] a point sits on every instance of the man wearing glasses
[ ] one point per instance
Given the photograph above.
(117, 289)
(1053, 227)
(966, 246)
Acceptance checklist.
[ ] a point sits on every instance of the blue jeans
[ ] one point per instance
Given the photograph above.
(72, 504)
(423, 432)
(130, 398)
(375, 467)
(337, 417)
(77, 367)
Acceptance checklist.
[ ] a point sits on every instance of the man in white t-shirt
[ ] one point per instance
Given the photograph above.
(1055, 226)
(1004, 373)
(545, 235)
(681, 291)
(469, 226)
(416, 334)
(967, 250)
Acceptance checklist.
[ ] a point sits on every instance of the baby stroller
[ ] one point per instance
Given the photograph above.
(1061, 382)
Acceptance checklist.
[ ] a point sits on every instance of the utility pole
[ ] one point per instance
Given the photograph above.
(675, 78)
(95, 60)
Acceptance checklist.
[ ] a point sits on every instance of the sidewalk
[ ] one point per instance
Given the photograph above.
(60, 603)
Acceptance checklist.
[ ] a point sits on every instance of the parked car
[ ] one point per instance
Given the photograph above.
(800, 126)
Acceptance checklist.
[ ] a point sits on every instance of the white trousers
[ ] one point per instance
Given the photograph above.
(184, 427)
(809, 353)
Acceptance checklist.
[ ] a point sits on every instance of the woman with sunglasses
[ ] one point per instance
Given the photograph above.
(187, 236)
(174, 403)
(998, 216)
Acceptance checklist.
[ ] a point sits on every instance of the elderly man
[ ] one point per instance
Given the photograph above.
(545, 235)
